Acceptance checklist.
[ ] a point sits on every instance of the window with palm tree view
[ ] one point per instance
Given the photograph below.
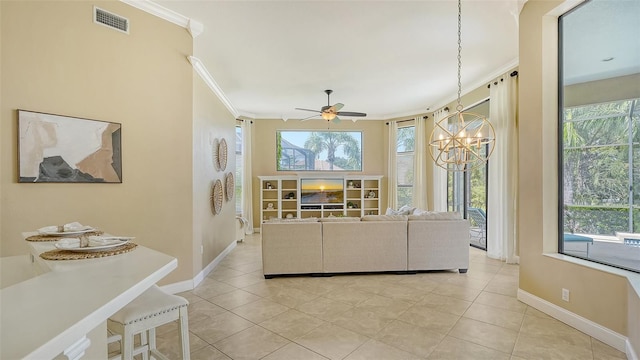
(319, 150)
(599, 123)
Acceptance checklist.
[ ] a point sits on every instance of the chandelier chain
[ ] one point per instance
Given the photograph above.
(461, 141)
(459, 107)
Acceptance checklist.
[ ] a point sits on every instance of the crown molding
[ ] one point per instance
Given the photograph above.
(201, 70)
(195, 28)
(244, 114)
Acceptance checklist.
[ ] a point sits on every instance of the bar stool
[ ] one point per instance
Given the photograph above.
(143, 315)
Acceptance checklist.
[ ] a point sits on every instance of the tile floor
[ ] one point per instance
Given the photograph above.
(236, 314)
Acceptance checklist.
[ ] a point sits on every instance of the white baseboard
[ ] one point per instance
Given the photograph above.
(187, 285)
(631, 354)
(212, 265)
(607, 336)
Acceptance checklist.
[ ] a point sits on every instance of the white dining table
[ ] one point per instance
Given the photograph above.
(48, 307)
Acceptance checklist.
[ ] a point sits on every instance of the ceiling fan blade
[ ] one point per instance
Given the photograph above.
(351, 113)
(336, 120)
(338, 106)
(308, 110)
(309, 118)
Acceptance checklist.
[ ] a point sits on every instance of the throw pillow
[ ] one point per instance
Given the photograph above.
(418, 211)
(384, 218)
(295, 220)
(404, 210)
(340, 219)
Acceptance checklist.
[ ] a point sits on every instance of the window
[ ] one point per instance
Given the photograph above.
(599, 119)
(239, 170)
(405, 146)
(467, 191)
(319, 150)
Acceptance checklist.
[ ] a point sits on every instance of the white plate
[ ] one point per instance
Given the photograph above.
(117, 241)
(63, 233)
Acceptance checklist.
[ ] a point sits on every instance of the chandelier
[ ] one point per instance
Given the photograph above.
(462, 140)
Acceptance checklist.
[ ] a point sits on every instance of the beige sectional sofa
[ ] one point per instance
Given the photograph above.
(364, 246)
(292, 248)
(380, 243)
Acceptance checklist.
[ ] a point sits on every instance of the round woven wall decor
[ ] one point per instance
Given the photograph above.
(222, 154)
(216, 197)
(216, 162)
(229, 184)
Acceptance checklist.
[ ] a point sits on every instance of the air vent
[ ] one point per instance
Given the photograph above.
(111, 20)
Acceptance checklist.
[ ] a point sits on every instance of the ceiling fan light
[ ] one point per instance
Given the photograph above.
(328, 116)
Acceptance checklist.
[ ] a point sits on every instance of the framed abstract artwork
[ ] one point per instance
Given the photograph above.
(63, 149)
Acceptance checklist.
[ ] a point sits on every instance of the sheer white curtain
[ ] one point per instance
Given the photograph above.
(501, 205)
(247, 196)
(420, 164)
(439, 174)
(392, 182)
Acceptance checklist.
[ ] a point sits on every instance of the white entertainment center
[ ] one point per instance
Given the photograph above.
(319, 195)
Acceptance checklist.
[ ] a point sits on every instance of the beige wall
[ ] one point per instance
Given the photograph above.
(375, 146)
(595, 295)
(211, 121)
(374, 150)
(1, 137)
(56, 60)
(634, 319)
(594, 92)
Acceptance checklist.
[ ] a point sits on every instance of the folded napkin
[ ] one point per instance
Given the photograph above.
(70, 227)
(107, 240)
(68, 243)
(75, 226)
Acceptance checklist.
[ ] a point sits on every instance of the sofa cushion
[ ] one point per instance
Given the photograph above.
(295, 220)
(384, 218)
(340, 219)
(436, 215)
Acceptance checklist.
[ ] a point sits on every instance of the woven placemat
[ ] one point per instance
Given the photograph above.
(74, 255)
(41, 237)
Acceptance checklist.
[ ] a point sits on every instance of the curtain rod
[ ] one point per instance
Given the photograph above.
(514, 73)
(401, 121)
(251, 121)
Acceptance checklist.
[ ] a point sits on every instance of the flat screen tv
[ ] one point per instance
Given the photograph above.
(321, 191)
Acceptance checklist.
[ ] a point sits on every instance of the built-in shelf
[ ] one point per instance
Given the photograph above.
(360, 193)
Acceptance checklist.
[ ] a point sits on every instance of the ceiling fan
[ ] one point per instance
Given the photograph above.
(331, 112)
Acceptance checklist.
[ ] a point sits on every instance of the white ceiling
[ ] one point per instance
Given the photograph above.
(601, 40)
(385, 58)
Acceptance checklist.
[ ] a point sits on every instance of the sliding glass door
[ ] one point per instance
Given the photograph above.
(467, 192)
